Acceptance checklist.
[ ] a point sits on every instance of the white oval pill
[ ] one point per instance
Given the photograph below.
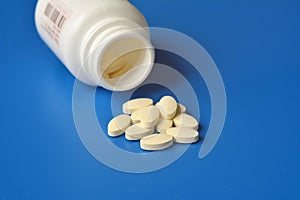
(163, 125)
(136, 132)
(149, 116)
(136, 104)
(136, 117)
(118, 125)
(185, 120)
(168, 107)
(183, 135)
(156, 142)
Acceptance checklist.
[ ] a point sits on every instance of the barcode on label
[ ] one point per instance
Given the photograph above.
(55, 16)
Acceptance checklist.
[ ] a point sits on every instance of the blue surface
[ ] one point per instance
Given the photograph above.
(256, 46)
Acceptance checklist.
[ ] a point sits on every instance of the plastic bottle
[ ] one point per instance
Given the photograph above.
(103, 43)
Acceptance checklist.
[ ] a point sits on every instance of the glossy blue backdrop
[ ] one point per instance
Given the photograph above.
(256, 46)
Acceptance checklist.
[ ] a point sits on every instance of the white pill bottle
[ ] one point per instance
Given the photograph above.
(102, 42)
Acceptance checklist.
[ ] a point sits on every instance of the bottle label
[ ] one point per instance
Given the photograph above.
(55, 17)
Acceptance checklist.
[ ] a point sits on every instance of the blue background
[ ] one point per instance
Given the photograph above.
(256, 46)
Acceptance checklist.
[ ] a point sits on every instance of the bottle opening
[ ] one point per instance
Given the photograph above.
(126, 63)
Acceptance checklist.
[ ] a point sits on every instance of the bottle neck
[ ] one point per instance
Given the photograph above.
(117, 54)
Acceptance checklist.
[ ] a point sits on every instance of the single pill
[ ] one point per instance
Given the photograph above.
(136, 104)
(183, 135)
(181, 108)
(136, 132)
(125, 68)
(168, 107)
(136, 117)
(118, 125)
(164, 124)
(113, 64)
(114, 68)
(156, 142)
(149, 116)
(185, 120)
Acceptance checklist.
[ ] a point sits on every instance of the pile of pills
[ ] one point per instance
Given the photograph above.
(157, 126)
